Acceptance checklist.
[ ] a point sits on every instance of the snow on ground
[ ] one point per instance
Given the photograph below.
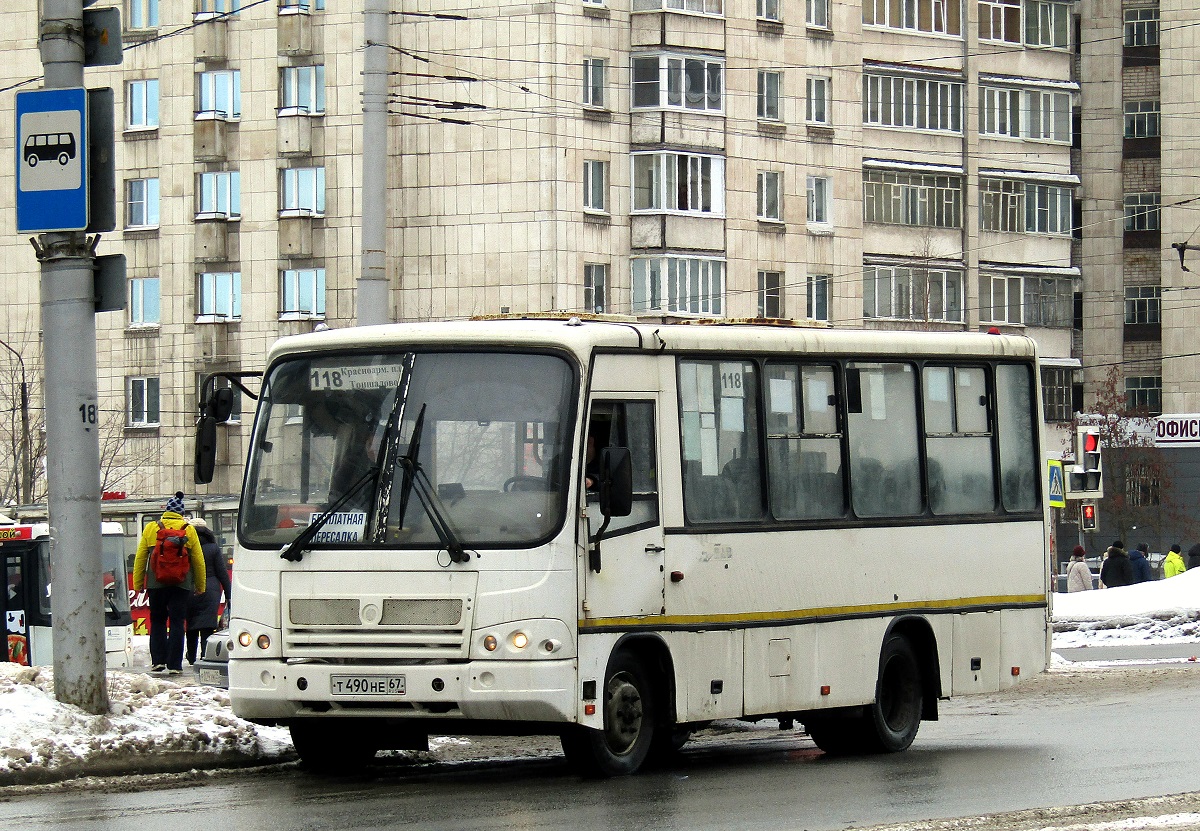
(162, 725)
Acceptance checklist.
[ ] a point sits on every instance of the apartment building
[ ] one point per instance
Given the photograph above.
(884, 164)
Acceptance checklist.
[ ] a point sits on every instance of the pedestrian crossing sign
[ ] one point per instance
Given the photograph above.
(1057, 491)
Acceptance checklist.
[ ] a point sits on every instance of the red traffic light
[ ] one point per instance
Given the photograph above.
(1091, 442)
(1089, 511)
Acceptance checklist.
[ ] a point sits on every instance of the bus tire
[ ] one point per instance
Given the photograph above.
(621, 747)
(891, 722)
(331, 746)
(837, 735)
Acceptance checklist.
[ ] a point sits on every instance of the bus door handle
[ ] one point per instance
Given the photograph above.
(655, 549)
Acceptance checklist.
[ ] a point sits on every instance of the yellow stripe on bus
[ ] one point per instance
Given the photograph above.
(800, 615)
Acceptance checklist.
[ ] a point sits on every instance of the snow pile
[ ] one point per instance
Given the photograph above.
(1160, 611)
(152, 725)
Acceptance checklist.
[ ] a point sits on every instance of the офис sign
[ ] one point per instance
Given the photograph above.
(1177, 430)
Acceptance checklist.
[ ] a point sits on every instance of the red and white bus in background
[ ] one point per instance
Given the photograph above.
(25, 603)
(619, 531)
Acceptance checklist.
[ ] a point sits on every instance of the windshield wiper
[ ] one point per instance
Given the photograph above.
(294, 551)
(416, 480)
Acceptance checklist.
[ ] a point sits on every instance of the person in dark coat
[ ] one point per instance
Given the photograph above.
(1140, 563)
(202, 614)
(1117, 571)
(1193, 560)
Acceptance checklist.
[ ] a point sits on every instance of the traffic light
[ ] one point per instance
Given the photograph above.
(1085, 480)
(1087, 516)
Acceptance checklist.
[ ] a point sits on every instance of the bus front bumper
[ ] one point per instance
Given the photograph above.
(536, 691)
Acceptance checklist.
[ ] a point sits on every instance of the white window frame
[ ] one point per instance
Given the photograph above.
(912, 103)
(914, 13)
(302, 191)
(142, 14)
(1141, 26)
(677, 284)
(770, 196)
(219, 95)
(1048, 115)
(816, 304)
(703, 188)
(1143, 212)
(1049, 301)
(595, 288)
(1143, 119)
(888, 289)
(219, 297)
(1040, 115)
(818, 99)
(769, 10)
(1002, 299)
(145, 302)
(594, 72)
(595, 186)
(300, 6)
(149, 412)
(302, 90)
(816, 13)
(141, 104)
(770, 85)
(714, 8)
(302, 294)
(141, 203)
(669, 88)
(1047, 24)
(218, 195)
(1000, 21)
(819, 200)
(926, 200)
(770, 294)
(206, 9)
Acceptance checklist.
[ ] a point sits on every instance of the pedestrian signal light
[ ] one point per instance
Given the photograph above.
(1087, 516)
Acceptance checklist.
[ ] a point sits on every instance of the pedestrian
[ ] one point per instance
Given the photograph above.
(1079, 576)
(203, 612)
(1117, 571)
(1193, 560)
(168, 603)
(1174, 563)
(1140, 563)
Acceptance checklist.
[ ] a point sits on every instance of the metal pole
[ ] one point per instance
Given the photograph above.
(372, 302)
(72, 414)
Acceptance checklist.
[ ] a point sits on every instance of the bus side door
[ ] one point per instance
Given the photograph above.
(16, 621)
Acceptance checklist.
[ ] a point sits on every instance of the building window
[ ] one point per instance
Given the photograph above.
(303, 293)
(1058, 391)
(924, 199)
(1033, 114)
(142, 397)
(595, 288)
(770, 193)
(302, 89)
(1049, 301)
(820, 195)
(768, 95)
(1024, 207)
(1143, 304)
(143, 14)
(1000, 299)
(715, 7)
(678, 82)
(302, 5)
(691, 285)
(141, 203)
(217, 6)
(769, 10)
(220, 297)
(302, 191)
(943, 17)
(219, 195)
(1000, 20)
(1141, 26)
(593, 82)
(816, 99)
(678, 182)
(1142, 119)
(817, 300)
(595, 185)
(141, 104)
(1144, 392)
(1047, 24)
(770, 294)
(816, 13)
(219, 94)
(918, 103)
(1141, 212)
(144, 307)
(905, 293)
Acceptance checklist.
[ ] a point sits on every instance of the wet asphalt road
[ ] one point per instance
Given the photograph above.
(1064, 739)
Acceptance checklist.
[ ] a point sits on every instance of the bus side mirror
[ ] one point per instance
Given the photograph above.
(220, 404)
(206, 449)
(616, 482)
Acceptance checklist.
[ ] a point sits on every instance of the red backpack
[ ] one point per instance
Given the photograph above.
(170, 561)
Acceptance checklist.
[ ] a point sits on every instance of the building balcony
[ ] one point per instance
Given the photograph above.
(666, 28)
(294, 133)
(212, 239)
(676, 231)
(1142, 148)
(1143, 239)
(211, 138)
(296, 236)
(295, 33)
(211, 38)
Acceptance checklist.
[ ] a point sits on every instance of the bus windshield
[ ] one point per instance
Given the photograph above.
(492, 444)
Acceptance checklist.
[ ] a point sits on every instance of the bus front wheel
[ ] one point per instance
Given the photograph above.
(329, 746)
(31, 160)
(621, 747)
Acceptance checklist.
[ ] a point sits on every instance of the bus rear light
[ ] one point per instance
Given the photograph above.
(1016, 671)
(264, 641)
(589, 709)
(824, 689)
(489, 643)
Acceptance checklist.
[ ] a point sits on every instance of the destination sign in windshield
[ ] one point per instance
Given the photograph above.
(349, 377)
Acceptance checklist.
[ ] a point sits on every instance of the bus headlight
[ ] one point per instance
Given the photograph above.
(520, 640)
(245, 639)
(524, 640)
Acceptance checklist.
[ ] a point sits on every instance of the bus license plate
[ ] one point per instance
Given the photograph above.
(367, 684)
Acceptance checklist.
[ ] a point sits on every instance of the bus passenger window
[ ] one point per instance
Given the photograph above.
(885, 472)
(958, 444)
(804, 444)
(1019, 469)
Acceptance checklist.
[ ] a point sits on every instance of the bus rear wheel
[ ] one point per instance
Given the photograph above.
(621, 747)
(332, 746)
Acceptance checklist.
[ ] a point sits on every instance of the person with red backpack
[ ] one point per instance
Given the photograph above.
(169, 564)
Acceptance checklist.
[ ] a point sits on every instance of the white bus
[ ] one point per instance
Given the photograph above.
(618, 532)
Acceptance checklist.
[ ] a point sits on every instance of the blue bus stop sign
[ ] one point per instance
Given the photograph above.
(52, 174)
